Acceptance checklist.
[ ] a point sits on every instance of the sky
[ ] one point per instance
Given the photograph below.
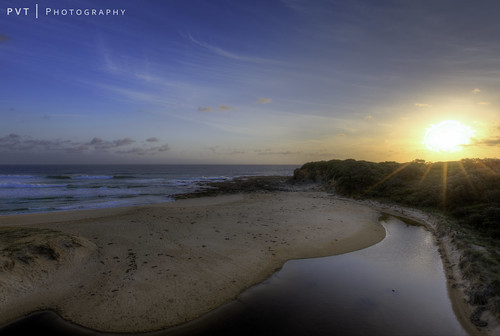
(245, 82)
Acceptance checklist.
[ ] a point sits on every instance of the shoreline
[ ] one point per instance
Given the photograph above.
(266, 186)
(147, 268)
(450, 256)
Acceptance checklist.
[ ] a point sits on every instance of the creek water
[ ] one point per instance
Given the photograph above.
(396, 287)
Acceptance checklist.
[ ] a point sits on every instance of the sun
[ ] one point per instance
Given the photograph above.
(448, 136)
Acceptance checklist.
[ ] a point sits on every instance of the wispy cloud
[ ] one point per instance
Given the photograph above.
(145, 151)
(483, 103)
(231, 55)
(296, 5)
(264, 100)
(221, 107)
(4, 38)
(224, 151)
(493, 141)
(140, 94)
(225, 107)
(422, 105)
(271, 152)
(476, 91)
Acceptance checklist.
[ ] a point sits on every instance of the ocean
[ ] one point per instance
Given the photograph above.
(48, 188)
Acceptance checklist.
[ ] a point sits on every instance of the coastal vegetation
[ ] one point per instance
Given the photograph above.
(464, 194)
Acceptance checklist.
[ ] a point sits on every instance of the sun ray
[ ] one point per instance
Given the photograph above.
(427, 170)
(387, 177)
(482, 164)
(467, 177)
(445, 181)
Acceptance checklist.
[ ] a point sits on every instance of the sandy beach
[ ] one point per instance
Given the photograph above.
(150, 267)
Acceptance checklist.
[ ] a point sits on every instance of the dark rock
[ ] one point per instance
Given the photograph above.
(239, 185)
(475, 317)
(480, 294)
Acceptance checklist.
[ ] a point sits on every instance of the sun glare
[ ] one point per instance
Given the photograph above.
(448, 136)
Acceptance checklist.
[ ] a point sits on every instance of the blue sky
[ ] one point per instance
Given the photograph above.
(272, 81)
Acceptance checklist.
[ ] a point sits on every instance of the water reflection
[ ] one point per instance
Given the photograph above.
(395, 287)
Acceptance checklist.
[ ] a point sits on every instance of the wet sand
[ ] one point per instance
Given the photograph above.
(150, 267)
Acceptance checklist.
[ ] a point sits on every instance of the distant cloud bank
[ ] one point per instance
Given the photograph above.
(16, 142)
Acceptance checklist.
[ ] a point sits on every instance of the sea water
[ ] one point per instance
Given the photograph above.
(46, 188)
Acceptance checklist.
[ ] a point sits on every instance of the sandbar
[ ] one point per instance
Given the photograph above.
(147, 268)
